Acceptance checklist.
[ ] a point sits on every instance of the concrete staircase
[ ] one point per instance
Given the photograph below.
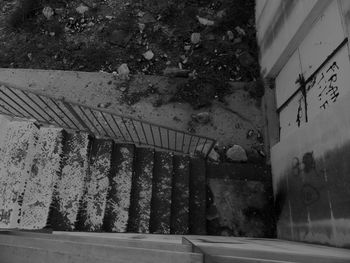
(51, 178)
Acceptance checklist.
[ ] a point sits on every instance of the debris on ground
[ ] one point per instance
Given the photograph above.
(202, 117)
(123, 72)
(236, 153)
(210, 42)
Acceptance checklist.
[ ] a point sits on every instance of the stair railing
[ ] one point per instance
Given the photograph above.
(60, 112)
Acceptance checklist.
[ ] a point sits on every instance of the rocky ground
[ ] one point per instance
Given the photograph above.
(210, 42)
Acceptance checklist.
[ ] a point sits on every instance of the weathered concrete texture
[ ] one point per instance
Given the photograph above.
(281, 27)
(25, 249)
(117, 209)
(92, 210)
(161, 193)
(233, 249)
(230, 121)
(70, 185)
(241, 200)
(311, 182)
(198, 189)
(242, 209)
(238, 171)
(17, 147)
(140, 206)
(180, 196)
(320, 212)
(42, 179)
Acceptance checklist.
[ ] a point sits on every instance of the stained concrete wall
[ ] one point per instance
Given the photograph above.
(310, 161)
(281, 25)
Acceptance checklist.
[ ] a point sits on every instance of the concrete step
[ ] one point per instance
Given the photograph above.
(140, 204)
(42, 179)
(198, 188)
(21, 254)
(149, 241)
(180, 196)
(161, 193)
(117, 209)
(92, 210)
(252, 251)
(99, 252)
(70, 185)
(16, 156)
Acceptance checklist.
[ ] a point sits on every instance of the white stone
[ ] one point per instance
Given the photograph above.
(81, 9)
(123, 72)
(205, 22)
(148, 55)
(48, 12)
(195, 38)
(237, 154)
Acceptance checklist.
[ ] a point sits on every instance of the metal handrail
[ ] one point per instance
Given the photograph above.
(59, 111)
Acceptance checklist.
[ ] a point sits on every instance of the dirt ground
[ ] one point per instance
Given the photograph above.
(94, 35)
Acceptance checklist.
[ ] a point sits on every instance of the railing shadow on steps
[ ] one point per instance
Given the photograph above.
(46, 109)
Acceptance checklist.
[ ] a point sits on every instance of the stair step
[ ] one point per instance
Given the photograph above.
(92, 210)
(117, 209)
(4, 122)
(180, 196)
(120, 240)
(161, 193)
(141, 194)
(101, 253)
(18, 144)
(198, 188)
(70, 185)
(42, 179)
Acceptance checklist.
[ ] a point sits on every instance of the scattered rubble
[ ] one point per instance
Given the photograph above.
(193, 40)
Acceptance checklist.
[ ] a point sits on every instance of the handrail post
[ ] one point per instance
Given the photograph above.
(76, 116)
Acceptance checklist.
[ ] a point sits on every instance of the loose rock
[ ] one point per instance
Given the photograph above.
(81, 9)
(230, 35)
(176, 72)
(237, 154)
(205, 22)
(202, 117)
(240, 31)
(195, 38)
(48, 12)
(148, 55)
(123, 72)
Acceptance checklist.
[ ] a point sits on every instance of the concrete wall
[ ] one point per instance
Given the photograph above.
(280, 27)
(310, 160)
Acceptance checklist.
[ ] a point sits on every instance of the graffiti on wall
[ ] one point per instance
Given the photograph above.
(326, 85)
